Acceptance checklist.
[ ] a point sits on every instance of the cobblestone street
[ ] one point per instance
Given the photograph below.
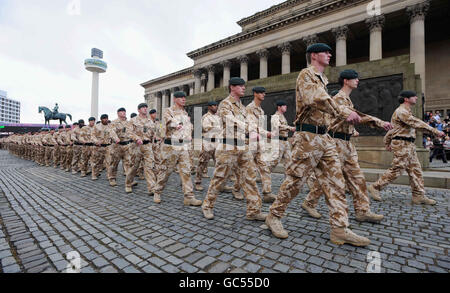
(46, 213)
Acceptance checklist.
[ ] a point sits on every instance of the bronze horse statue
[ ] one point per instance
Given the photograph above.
(49, 115)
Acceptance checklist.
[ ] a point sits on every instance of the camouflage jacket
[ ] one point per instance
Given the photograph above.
(211, 125)
(120, 130)
(85, 134)
(233, 115)
(314, 105)
(141, 128)
(339, 125)
(405, 125)
(280, 126)
(255, 118)
(101, 134)
(173, 117)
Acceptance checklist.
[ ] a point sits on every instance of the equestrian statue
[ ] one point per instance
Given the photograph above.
(54, 115)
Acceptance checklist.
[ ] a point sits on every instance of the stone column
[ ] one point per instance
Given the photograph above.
(375, 25)
(211, 78)
(417, 44)
(158, 106)
(244, 66)
(198, 81)
(311, 39)
(263, 54)
(203, 82)
(191, 88)
(165, 100)
(285, 49)
(340, 34)
(226, 71)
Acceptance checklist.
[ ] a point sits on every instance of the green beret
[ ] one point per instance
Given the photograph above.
(179, 94)
(81, 121)
(142, 105)
(333, 93)
(92, 119)
(318, 47)
(236, 81)
(349, 74)
(133, 115)
(213, 104)
(281, 103)
(408, 94)
(152, 111)
(60, 127)
(104, 116)
(259, 89)
(121, 110)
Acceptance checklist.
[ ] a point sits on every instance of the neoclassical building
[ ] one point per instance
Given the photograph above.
(273, 43)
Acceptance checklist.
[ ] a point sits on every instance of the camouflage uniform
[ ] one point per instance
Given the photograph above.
(56, 150)
(100, 136)
(405, 156)
(235, 155)
(64, 142)
(156, 147)
(348, 157)
(315, 152)
(175, 151)
(86, 139)
(211, 128)
(121, 151)
(49, 143)
(143, 129)
(77, 149)
(280, 130)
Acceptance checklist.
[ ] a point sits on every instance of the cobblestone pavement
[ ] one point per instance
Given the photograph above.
(46, 213)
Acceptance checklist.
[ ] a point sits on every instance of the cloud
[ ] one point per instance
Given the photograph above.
(42, 48)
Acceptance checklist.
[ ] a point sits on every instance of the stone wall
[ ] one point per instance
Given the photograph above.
(381, 82)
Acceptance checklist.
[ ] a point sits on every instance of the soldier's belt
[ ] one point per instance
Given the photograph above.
(77, 143)
(146, 142)
(211, 139)
(105, 145)
(125, 142)
(176, 142)
(89, 144)
(410, 139)
(49, 145)
(340, 135)
(311, 128)
(235, 141)
(282, 138)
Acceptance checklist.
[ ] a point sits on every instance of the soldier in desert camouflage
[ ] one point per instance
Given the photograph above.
(85, 138)
(400, 141)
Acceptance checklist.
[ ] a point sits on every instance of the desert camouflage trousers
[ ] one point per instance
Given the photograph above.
(117, 152)
(314, 153)
(203, 161)
(173, 156)
(405, 159)
(353, 175)
(85, 158)
(56, 155)
(66, 156)
(48, 155)
(144, 154)
(98, 159)
(157, 157)
(283, 155)
(241, 161)
(76, 157)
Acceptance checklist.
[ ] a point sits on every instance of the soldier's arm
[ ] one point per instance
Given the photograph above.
(388, 138)
(416, 123)
(95, 135)
(169, 121)
(112, 133)
(227, 115)
(315, 96)
(73, 136)
(207, 124)
(131, 129)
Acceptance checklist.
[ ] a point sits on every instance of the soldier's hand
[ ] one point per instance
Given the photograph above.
(117, 141)
(387, 126)
(293, 129)
(389, 148)
(353, 118)
(139, 142)
(179, 127)
(355, 133)
(269, 134)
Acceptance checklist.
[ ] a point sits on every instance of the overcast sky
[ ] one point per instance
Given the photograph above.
(43, 45)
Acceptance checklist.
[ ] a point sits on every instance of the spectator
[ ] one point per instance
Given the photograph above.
(429, 144)
(427, 117)
(447, 147)
(437, 116)
(439, 125)
(447, 119)
(438, 149)
(432, 122)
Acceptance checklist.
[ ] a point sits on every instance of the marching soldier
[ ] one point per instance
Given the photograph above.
(121, 149)
(49, 143)
(177, 134)
(256, 114)
(280, 130)
(100, 136)
(156, 146)
(400, 141)
(85, 138)
(56, 148)
(211, 128)
(141, 130)
(234, 153)
(77, 146)
(315, 151)
(342, 131)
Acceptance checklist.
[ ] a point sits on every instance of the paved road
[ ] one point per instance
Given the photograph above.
(47, 216)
